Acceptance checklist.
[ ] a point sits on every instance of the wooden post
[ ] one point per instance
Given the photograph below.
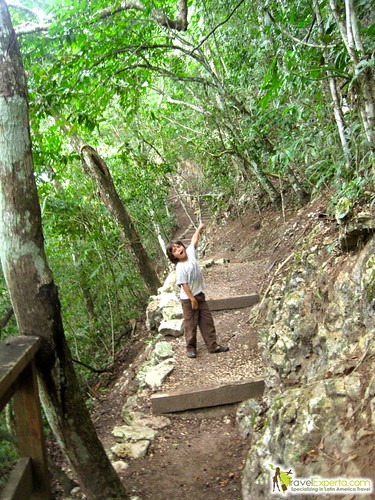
(29, 427)
(18, 380)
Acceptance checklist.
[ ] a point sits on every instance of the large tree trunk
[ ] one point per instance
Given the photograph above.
(97, 169)
(30, 282)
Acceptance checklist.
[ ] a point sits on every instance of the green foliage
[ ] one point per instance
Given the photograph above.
(8, 451)
(351, 193)
(90, 263)
(234, 107)
(5, 304)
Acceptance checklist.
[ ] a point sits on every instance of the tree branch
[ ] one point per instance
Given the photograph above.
(95, 370)
(222, 153)
(183, 103)
(162, 72)
(137, 49)
(33, 12)
(218, 26)
(297, 40)
(181, 125)
(180, 24)
(124, 6)
(162, 19)
(30, 28)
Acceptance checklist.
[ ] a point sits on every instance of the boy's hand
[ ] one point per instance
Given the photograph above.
(201, 227)
(194, 303)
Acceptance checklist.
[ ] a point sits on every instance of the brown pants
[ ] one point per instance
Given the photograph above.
(201, 317)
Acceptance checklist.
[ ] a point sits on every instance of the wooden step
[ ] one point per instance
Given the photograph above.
(218, 395)
(237, 302)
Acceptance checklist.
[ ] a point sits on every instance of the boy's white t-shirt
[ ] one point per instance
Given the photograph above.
(189, 272)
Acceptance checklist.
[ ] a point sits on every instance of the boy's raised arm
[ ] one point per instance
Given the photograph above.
(196, 235)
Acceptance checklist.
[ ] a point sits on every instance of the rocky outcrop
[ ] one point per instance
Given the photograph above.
(356, 231)
(160, 364)
(318, 344)
(164, 312)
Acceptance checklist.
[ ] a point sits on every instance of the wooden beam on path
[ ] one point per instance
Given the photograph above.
(233, 302)
(182, 400)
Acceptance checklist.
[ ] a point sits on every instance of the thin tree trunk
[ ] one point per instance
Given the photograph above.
(250, 162)
(267, 186)
(303, 196)
(98, 170)
(364, 82)
(30, 282)
(86, 294)
(157, 229)
(368, 79)
(263, 181)
(337, 110)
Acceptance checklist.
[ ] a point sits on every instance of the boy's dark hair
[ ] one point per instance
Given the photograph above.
(169, 248)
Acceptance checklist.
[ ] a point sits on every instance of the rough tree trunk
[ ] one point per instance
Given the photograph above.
(30, 282)
(97, 169)
(264, 183)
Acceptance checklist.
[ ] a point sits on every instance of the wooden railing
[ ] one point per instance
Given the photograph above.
(30, 478)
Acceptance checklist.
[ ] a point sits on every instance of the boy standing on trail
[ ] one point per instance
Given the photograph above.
(194, 306)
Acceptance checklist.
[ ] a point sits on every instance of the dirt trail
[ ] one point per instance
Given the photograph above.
(201, 454)
(233, 329)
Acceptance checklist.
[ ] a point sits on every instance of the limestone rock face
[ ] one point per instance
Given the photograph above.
(139, 419)
(163, 318)
(136, 433)
(154, 314)
(318, 342)
(120, 466)
(356, 231)
(246, 416)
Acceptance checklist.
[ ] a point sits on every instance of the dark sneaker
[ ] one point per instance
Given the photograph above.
(191, 354)
(221, 348)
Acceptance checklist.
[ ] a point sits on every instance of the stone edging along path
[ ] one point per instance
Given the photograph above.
(174, 383)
